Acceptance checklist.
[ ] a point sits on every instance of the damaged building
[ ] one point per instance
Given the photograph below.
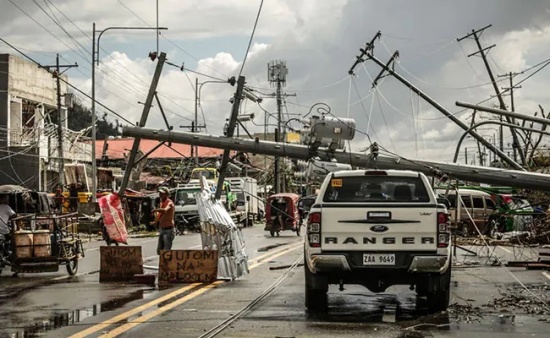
(28, 126)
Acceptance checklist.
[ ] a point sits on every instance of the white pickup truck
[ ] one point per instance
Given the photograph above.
(377, 228)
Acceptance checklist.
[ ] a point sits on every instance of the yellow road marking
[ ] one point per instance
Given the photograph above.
(121, 329)
(252, 266)
(258, 261)
(132, 312)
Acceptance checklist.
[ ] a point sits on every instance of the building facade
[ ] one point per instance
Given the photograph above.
(29, 137)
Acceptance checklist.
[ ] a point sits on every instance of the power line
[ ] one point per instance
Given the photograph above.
(67, 82)
(169, 41)
(251, 37)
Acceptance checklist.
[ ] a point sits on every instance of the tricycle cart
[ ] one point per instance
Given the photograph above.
(43, 243)
(281, 213)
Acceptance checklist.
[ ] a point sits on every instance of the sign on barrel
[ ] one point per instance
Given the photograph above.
(188, 266)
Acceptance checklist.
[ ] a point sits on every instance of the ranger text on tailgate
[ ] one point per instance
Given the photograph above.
(378, 228)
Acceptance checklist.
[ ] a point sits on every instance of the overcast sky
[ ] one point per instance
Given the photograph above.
(319, 41)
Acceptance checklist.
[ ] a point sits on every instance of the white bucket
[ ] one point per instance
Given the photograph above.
(23, 244)
(42, 244)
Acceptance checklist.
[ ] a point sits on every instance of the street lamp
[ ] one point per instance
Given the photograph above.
(195, 126)
(95, 58)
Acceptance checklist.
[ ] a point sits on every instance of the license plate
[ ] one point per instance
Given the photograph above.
(378, 259)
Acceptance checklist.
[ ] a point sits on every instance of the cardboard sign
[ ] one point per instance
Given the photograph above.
(120, 263)
(188, 266)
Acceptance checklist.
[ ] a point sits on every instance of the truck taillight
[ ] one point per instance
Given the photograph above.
(443, 223)
(314, 229)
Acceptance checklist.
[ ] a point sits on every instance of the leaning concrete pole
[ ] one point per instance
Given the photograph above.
(142, 121)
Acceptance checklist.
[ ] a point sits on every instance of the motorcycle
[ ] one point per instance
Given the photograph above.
(186, 224)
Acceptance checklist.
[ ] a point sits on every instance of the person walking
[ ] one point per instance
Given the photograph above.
(6, 213)
(165, 220)
(59, 200)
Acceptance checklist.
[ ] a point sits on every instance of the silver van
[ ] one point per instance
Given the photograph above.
(474, 211)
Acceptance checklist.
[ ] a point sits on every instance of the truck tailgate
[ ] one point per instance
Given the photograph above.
(388, 227)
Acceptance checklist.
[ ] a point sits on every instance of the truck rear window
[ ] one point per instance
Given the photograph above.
(376, 188)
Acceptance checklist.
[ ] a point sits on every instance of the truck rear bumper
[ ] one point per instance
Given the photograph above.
(327, 263)
(432, 264)
(341, 262)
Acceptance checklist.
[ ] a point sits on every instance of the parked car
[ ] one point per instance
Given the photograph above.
(476, 210)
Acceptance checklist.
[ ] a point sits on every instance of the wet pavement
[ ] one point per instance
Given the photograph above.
(488, 300)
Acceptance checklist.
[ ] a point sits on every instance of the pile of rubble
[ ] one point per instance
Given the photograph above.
(523, 301)
(481, 240)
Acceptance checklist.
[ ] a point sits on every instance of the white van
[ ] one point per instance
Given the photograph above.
(476, 205)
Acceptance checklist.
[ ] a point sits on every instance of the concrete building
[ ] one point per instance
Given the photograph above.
(28, 127)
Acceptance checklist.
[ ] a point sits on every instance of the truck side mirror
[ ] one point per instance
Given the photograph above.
(248, 198)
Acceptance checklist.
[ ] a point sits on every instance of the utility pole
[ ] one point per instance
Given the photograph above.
(368, 53)
(142, 122)
(510, 76)
(498, 176)
(481, 51)
(194, 124)
(277, 71)
(57, 74)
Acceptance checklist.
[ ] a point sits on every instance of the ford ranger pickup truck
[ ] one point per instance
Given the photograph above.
(377, 228)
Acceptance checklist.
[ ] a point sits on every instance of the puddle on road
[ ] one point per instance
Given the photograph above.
(63, 319)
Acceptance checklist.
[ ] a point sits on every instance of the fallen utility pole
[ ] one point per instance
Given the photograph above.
(481, 51)
(142, 121)
(445, 112)
(513, 178)
(503, 112)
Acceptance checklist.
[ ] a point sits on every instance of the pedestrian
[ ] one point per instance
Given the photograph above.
(165, 218)
(73, 198)
(6, 213)
(59, 199)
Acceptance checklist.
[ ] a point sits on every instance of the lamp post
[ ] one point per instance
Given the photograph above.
(195, 126)
(95, 58)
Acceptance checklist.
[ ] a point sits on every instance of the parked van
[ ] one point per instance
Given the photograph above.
(475, 210)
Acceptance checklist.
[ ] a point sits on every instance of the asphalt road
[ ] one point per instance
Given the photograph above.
(488, 300)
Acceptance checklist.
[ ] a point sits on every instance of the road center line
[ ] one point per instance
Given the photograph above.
(121, 329)
(205, 287)
(132, 312)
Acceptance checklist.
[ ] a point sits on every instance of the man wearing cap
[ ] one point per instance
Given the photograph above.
(165, 220)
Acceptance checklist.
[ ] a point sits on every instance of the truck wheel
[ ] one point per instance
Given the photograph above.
(439, 300)
(316, 299)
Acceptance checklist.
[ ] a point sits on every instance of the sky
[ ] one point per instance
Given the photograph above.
(319, 41)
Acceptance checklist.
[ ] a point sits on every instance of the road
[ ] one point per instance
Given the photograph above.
(488, 300)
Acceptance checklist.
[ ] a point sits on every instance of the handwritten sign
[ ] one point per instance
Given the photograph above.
(188, 266)
(120, 263)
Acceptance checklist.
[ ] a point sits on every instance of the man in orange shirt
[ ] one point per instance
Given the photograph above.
(165, 220)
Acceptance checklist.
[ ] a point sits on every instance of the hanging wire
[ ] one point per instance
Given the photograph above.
(251, 37)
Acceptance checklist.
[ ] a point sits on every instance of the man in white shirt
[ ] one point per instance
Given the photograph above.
(6, 212)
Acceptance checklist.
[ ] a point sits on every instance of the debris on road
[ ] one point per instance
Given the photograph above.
(219, 232)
